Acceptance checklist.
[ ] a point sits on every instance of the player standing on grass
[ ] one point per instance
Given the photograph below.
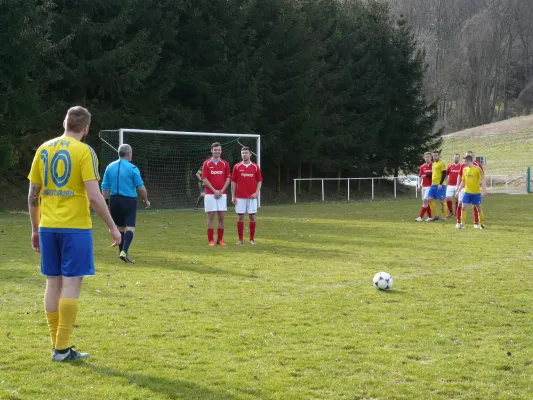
(438, 189)
(475, 187)
(122, 182)
(452, 176)
(424, 183)
(216, 176)
(462, 191)
(246, 182)
(63, 182)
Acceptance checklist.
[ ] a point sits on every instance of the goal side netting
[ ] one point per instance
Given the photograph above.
(169, 160)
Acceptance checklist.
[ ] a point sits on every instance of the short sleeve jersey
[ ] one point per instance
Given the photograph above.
(452, 172)
(472, 177)
(425, 169)
(122, 178)
(246, 177)
(216, 173)
(463, 166)
(62, 166)
(438, 167)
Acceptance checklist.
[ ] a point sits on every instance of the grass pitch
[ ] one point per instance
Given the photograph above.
(506, 145)
(295, 317)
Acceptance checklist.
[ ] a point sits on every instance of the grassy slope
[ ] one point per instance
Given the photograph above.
(295, 317)
(507, 145)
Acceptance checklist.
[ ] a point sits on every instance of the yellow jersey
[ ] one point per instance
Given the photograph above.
(62, 166)
(437, 168)
(472, 177)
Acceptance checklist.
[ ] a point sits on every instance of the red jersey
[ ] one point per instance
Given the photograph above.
(216, 174)
(452, 172)
(426, 169)
(246, 177)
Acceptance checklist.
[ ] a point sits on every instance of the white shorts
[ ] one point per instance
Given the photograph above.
(246, 206)
(451, 190)
(425, 192)
(211, 204)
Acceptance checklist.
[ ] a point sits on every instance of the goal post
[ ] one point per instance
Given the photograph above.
(169, 160)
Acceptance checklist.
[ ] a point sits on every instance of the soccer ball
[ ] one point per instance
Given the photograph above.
(382, 281)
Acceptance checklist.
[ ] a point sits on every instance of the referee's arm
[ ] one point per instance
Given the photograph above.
(141, 191)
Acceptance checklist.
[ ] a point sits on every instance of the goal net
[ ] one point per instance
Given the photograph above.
(169, 160)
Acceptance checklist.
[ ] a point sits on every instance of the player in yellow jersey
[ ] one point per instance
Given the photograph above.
(475, 187)
(438, 188)
(63, 183)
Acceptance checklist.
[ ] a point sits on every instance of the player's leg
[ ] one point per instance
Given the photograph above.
(459, 208)
(442, 198)
(240, 209)
(130, 217)
(51, 268)
(423, 210)
(450, 194)
(466, 204)
(252, 225)
(220, 228)
(252, 211)
(210, 208)
(476, 217)
(481, 216)
(77, 262)
(222, 207)
(52, 294)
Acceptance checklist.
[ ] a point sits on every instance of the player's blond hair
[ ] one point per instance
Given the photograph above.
(427, 153)
(77, 119)
(216, 144)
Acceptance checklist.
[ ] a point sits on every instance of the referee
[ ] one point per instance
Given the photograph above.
(122, 182)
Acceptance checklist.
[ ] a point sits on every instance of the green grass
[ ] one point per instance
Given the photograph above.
(507, 145)
(295, 317)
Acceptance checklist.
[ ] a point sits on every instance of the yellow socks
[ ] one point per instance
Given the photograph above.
(463, 216)
(68, 309)
(433, 207)
(53, 322)
(481, 218)
(443, 210)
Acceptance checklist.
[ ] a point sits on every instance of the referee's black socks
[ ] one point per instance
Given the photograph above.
(121, 245)
(128, 237)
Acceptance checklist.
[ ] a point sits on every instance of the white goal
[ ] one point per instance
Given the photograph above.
(168, 160)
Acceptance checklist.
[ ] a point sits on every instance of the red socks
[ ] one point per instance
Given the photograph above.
(240, 230)
(220, 233)
(450, 206)
(252, 230)
(476, 216)
(210, 233)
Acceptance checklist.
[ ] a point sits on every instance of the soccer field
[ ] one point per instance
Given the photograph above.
(295, 317)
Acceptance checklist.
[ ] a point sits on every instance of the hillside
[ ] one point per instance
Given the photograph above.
(507, 145)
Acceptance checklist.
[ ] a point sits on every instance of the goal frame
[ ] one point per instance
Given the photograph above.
(121, 132)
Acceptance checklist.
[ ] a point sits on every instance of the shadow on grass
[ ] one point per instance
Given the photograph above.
(170, 388)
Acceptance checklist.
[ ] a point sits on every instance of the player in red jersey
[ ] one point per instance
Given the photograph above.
(424, 183)
(216, 176)
(452, 174)
(459, 195)
(246, 182)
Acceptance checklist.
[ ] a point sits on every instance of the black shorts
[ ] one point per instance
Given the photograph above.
(123, 210)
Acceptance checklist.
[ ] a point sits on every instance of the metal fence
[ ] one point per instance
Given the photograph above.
(390, 187)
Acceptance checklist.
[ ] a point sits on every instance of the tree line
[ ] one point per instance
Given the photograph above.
(334, 87)
(479, 54)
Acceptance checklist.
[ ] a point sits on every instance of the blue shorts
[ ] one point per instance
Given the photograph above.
(469, 198)
(123, 210)
(66, 252)
(435, 193)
